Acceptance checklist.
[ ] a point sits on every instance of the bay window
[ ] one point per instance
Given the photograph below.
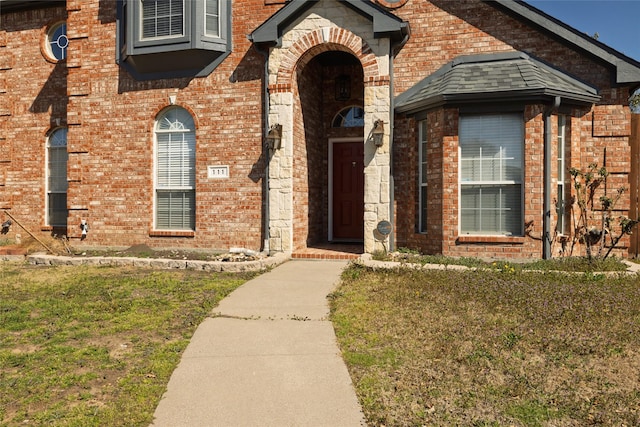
(172, 38)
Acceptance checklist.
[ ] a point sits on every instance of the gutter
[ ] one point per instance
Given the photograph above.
(546, 219)
(265, 149)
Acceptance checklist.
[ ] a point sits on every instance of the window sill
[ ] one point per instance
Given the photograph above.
(172, 233)
(515, 240)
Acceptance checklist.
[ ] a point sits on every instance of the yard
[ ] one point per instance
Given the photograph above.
(88, 346)
(503, 347)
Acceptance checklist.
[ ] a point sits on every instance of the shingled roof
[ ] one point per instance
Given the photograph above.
(384, 23)
(501, 77)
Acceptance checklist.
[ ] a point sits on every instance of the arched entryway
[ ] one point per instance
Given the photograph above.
(328, 150)
(311, 47)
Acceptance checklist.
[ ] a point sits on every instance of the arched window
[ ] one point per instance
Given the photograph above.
(349, 117)
(175, 170)
(57, 157)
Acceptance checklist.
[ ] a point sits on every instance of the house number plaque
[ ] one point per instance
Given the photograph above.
(218, 172)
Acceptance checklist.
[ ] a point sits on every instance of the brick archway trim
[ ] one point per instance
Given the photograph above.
(313, 43)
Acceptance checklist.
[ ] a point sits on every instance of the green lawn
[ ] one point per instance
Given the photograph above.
(491, 348)
(95, 346)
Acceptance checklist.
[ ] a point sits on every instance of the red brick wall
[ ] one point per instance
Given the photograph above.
(405, 159)
(33, 96)
(110, 117)
(444, 29)
(405, 174)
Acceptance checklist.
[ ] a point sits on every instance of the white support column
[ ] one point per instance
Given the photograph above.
(377, 161)
(281, 175)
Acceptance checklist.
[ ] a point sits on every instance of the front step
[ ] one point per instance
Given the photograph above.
(329, 252)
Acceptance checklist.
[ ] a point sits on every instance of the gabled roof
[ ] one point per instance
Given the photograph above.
(501, 77)
(627, 69)
(384, 23)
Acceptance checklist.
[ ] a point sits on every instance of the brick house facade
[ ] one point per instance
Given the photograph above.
(275, 126)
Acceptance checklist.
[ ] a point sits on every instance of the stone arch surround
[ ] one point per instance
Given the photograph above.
(314, 43)
(282, 91)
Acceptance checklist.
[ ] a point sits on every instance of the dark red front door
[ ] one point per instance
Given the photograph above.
(348, 191)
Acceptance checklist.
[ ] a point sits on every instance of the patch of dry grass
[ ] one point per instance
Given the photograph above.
(95, 346)
(491, 348)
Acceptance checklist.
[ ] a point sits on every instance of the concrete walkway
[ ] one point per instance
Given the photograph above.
(268, 357)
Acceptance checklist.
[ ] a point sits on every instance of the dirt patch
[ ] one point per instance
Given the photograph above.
(58, 246)
(145, 251)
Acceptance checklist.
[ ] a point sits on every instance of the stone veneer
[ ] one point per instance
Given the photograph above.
(325, 27)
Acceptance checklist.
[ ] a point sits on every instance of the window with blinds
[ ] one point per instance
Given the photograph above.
(491, 174)
(212, 18)
(162, 18)
(57, 158)
(422, 177)
(175, 170)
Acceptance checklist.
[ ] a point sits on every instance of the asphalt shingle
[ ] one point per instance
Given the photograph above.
(506, 76)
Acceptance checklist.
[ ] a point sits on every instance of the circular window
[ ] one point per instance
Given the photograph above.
(57, 41)
(392, 4)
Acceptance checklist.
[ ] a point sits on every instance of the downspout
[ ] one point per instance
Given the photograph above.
(265, 148)
(393, 48)
(548, 140)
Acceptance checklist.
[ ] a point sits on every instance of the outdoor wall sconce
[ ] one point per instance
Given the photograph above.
(378, 132)
(274, 137)
(343, 88)
(84, 227)
(5, 226)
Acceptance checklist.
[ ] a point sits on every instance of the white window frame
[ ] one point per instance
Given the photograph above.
(209, 13)
(562, 168)
(499, 186)
(422, 176)
(171, 16)
(174, 175)
(56, 181)
(57, 41)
